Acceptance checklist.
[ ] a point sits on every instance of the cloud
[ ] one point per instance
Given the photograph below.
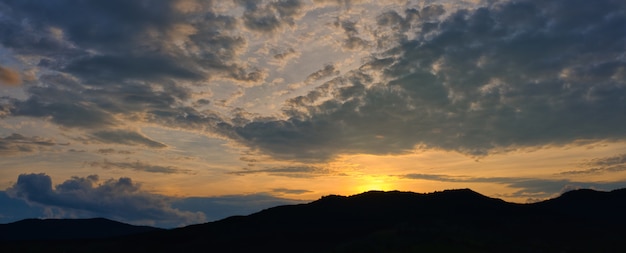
(432, 13)
(342, 3)
(290, 191)
(528, 187)
(64, 101)
(12, 209)
(213, 208)
(16, 144)
(477, 81)
(601, 165)
(9, 77)
(609, 161)
(69, 115)
(269, 17)
(140, 64)
(328, 71)
(287, 54)
(393, 28)
(108, 151)
(111, 68)
(121, 63)
(352, 41)
(286, 171)
(139, 166)
(282, 57)
(120, 199)
(127, 138)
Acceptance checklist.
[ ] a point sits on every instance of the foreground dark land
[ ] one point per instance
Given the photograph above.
(448, 221)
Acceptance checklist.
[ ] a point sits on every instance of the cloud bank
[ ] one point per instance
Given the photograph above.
(477, 81)
(531, 188)
(16, 144)
(139, 166)
(120, 199)
(124, 200)
(601, 165)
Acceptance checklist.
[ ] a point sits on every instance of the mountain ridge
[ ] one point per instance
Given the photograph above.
(450, 221)
(63, 229)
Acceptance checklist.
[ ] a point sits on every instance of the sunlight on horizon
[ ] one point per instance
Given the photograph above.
(373, 183)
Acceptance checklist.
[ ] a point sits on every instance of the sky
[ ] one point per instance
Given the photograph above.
(171, 113)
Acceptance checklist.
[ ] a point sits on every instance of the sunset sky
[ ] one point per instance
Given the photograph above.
(170, 113)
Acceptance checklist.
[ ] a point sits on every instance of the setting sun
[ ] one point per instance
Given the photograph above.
(373, 183)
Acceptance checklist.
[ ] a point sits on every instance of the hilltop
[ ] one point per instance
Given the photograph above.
(448, 221)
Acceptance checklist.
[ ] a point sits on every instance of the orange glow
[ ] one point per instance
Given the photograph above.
(373, 183)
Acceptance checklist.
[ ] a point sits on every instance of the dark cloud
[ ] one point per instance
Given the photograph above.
(213, 208)
(352, 41)
(121, 57)
(528, 187)
(269, 17)
(108, 151)
(62, 100)
(393, 29)
(278, 138)
(608, 161)
(432, 13)
(286, 171)
(137, 97)
(290, 191)
(91, 23)
(337, 126)
(391, 18)
(68, 115)
(12, 209)
(126, 137)
(476, 80)
(120, 199)
(9, 77)
(328, 71)
(5, 106)
(202, 102)
(16, 144)
(284, 55)
(33, 37)
(139, 166)
(190, 118)
(510, 75)
(65, 101)
(112, 68)
(601, 165)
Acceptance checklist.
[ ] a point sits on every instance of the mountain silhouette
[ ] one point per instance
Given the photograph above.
(64, 229)
(375, 221)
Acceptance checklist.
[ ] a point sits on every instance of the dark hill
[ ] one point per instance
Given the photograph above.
(448, 221)
(63, 229)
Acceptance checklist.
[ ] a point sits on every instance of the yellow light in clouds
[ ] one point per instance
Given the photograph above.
(373, 183)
